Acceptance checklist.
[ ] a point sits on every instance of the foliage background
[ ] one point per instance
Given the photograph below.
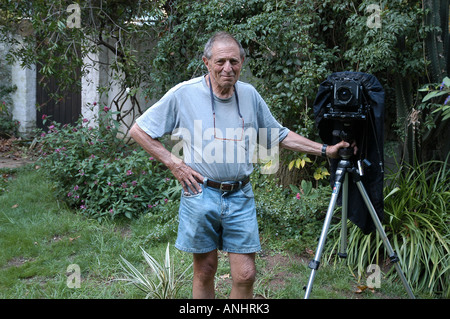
(291, 47)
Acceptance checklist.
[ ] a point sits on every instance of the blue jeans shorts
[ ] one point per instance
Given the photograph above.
(215, 219)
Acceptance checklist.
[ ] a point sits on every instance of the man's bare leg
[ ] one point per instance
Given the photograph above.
(205, 266)
(243, 272)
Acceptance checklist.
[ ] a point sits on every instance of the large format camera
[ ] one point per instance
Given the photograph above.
(347, 94)
(349, 101)
(350, 106)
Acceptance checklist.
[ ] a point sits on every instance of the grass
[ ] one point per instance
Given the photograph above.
(40, 238)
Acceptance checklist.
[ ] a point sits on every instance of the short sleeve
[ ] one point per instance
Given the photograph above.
(161, 118)
(267, 121)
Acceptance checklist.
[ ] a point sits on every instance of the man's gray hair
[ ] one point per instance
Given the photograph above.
(221, 36)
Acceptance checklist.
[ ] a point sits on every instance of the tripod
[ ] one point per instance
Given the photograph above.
(344, 167)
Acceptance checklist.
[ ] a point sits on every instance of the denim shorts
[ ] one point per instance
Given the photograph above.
(215, 219)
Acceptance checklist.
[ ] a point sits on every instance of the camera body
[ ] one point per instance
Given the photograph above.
(347, 101)
(347, 95)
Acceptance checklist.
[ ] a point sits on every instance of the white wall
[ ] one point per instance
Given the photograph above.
(95, 75)
(24, 98)
(23, 107)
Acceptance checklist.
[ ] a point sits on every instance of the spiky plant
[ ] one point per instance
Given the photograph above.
(161, 283)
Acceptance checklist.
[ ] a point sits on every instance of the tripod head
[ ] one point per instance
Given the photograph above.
(345, 134)
(346, 153)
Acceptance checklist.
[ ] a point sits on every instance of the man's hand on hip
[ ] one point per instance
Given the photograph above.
(188, 178)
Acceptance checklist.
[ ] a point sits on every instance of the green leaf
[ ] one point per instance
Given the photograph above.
(446, 81)
(307, 187)
(446, 117)
(395, 190)
(294, 189)
(433, 94)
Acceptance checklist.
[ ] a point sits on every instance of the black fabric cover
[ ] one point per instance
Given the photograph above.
(368, 135)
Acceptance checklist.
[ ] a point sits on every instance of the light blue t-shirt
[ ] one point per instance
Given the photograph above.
(226, 149)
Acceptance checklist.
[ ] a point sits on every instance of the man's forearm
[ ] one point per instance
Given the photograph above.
(298, 143)
(301, 144)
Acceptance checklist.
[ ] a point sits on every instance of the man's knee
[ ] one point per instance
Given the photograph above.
(245, 276)
(205, 271)
(205, 266)
(243, 269)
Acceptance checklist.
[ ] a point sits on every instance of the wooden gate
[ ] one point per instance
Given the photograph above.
(64, 109)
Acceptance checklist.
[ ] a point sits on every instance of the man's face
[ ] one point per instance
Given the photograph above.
(225, 63)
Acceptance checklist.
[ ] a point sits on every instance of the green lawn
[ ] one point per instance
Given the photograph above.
(40, 238)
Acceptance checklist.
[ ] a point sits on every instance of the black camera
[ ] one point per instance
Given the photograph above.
(347, 95)
(347, 101)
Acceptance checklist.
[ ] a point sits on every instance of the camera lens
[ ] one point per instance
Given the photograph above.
(344, 94)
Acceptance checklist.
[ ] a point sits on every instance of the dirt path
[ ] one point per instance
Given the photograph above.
(13, 162)
(12, 154)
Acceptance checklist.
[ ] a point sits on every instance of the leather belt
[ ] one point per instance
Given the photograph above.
(228, 186)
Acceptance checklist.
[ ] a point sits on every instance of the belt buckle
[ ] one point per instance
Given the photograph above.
(234, 186)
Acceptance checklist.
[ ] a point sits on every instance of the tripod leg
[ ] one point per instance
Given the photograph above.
(314, 264)
(343, 250)
(379, 227)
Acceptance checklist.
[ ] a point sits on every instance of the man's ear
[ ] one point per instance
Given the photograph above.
(206, 62)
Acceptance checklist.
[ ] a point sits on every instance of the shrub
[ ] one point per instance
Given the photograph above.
(291, 214)
(443, 91)
(8, 126)
(98, 174)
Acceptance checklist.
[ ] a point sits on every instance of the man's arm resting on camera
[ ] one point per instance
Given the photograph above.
(183, 173)
(296, 142)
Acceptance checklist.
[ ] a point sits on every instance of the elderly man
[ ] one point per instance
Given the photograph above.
(217, 209)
